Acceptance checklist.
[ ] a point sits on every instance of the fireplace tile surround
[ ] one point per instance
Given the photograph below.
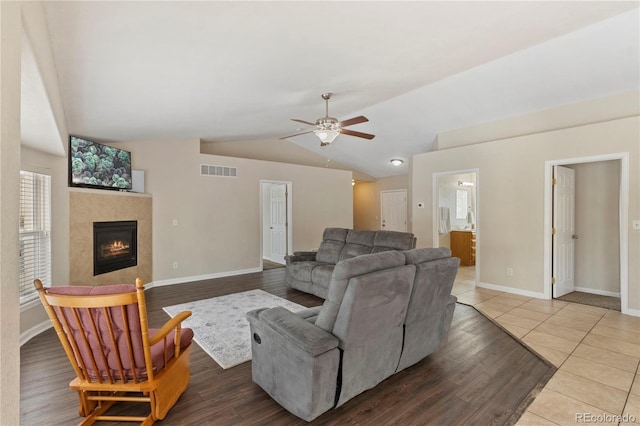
(87, 206)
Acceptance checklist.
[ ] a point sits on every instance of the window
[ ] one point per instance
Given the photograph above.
(462, 204)
(35, 232)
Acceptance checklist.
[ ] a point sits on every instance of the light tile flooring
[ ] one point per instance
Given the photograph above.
(596, 351)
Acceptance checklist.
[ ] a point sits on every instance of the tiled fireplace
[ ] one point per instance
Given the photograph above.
(89, 207)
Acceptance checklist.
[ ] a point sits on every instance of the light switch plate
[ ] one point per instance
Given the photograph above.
(636, 224)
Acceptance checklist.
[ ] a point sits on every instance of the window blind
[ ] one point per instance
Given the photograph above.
(35, 232)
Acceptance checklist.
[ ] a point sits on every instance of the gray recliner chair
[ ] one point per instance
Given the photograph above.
(312, 365)
(431, 306)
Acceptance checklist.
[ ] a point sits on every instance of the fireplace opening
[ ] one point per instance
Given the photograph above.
(115, 246)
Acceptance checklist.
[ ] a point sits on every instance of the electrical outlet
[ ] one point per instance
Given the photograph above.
(510, 272)
(175, 265)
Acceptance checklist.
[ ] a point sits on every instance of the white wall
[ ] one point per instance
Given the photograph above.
(511, 192)
(621, 105)
(219, 218)
(10, 34)
(35, 27)
(32, 316)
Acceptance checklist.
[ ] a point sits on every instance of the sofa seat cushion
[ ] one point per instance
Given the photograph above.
(321, 274)
(301, 271)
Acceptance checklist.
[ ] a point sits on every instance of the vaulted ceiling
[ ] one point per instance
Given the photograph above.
(237, 72)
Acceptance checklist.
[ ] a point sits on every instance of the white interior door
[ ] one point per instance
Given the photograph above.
(278, 222)
(393, 206)
(564, 230)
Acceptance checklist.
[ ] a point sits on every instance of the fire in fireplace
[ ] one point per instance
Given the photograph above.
(114, 246)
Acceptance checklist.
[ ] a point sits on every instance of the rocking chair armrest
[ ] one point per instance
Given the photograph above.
(173, 324)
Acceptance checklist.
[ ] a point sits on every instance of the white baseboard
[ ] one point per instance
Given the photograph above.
(34, 331)
(632, 312)
(511, 290)
(627, 311)
(192, 278)
(598, 292)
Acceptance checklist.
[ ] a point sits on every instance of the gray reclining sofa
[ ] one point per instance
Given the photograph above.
(383, 313)
(311, 271)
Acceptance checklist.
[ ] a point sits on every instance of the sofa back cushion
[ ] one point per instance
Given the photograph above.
(420, 255)
(343, 272)
(358, 242)
(369, 322)
(435, 273)
(393, 240)
(333, 240)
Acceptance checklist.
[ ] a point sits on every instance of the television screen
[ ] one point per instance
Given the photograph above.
(94, 165)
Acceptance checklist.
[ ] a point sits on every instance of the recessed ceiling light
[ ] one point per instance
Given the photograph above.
(397, 162)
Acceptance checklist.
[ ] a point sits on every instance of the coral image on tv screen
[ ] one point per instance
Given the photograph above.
(92, 164)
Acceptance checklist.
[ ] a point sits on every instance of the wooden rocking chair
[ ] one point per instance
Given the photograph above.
(116, 357)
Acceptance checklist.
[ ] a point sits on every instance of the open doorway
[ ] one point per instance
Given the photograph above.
(276, 210)
(586, 205)
(455, 218)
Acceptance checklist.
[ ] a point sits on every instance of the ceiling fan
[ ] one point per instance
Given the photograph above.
(328, 128)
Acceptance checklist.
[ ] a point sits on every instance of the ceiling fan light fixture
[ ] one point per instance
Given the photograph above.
(328, 128)
(326, 136)
(397, 162)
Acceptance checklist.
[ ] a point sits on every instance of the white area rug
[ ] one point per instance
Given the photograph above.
(220, 326)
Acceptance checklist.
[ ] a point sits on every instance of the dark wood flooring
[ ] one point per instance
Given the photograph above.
(482, 377)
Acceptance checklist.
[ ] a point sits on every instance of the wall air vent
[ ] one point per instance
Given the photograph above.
(224, 171)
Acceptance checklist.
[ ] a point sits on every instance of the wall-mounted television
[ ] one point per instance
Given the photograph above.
(95, 165)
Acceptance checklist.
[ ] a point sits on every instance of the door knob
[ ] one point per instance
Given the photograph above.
(575, 237)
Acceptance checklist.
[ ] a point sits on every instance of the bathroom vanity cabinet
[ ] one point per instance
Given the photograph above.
(463, 245)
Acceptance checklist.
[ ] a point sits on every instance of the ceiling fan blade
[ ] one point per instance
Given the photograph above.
(297, 134)
(354, 120)
(357, 134)
(303, 122)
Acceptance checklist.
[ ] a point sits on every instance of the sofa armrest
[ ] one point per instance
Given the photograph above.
(301, 256)
(295, 330)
